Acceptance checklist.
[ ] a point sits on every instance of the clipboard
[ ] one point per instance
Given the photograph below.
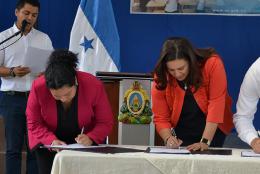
(165, 150)
(213, 152)
(109, 149)
(96, 149)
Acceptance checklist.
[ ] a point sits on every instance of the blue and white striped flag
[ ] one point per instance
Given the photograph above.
(94, 37)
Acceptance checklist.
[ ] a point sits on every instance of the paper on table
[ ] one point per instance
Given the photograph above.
(36, 59)
(68, 146)
(166, 150)
(249, 153)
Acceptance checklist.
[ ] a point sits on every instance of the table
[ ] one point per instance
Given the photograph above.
(68, 162)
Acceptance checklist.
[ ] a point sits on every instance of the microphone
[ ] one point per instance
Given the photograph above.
(24, 23)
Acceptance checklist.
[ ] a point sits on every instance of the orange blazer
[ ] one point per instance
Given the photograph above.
(212, 98)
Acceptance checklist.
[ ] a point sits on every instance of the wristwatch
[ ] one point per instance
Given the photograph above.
(205, 140)
(11, 72)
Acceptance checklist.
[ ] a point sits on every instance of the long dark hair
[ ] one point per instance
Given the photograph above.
(61, 69)
(180, 48)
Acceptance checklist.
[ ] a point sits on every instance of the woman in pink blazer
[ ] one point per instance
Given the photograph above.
(63, 102)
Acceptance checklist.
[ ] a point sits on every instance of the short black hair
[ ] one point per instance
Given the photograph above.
(20, 4)
(61, 69)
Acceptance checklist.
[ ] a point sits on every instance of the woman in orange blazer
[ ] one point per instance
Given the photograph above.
(189, 95)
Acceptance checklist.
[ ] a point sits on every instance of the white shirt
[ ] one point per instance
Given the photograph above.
(247, 103)
(14, 54)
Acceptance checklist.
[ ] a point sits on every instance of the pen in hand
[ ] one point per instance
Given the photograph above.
(81, 133)
(83, 138)
(173, 133)
(82, 130)
(174, 142)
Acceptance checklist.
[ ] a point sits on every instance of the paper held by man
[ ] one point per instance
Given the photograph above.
(36, 59)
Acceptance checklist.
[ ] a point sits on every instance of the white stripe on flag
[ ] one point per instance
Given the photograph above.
(93, 55)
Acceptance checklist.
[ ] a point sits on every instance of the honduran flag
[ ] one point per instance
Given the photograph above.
(94, 37)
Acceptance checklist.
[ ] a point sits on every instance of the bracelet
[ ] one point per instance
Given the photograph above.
(11, 72)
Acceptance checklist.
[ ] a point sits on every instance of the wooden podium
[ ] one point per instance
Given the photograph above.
(112, 84)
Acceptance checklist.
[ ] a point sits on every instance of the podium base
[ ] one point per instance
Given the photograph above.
(135, 134)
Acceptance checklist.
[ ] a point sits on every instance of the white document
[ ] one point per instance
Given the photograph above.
(68, 146)
(249, 153)
(36, 59)
(167, 150)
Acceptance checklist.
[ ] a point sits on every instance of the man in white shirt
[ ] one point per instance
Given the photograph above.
(247, 106)
(16, 82)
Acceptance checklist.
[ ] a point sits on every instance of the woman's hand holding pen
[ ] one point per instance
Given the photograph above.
(170, 138)
(84, 140)
(173, 142)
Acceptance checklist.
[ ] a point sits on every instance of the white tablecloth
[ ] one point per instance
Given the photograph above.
(75, 162)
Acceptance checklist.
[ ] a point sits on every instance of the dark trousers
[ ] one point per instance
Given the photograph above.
(13, 110)
(44, 159)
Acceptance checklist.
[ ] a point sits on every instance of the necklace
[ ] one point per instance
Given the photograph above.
(185, 86)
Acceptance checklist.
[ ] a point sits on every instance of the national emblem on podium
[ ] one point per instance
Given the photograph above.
(135, 108)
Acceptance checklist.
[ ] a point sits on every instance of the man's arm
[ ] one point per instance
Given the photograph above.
(247, 106)
(11, 71)
(14, 71)
(4, 71)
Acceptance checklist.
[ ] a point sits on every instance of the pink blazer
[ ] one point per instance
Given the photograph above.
(94, 112)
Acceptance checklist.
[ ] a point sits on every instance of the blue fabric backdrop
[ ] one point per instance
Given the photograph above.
(236, 38)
